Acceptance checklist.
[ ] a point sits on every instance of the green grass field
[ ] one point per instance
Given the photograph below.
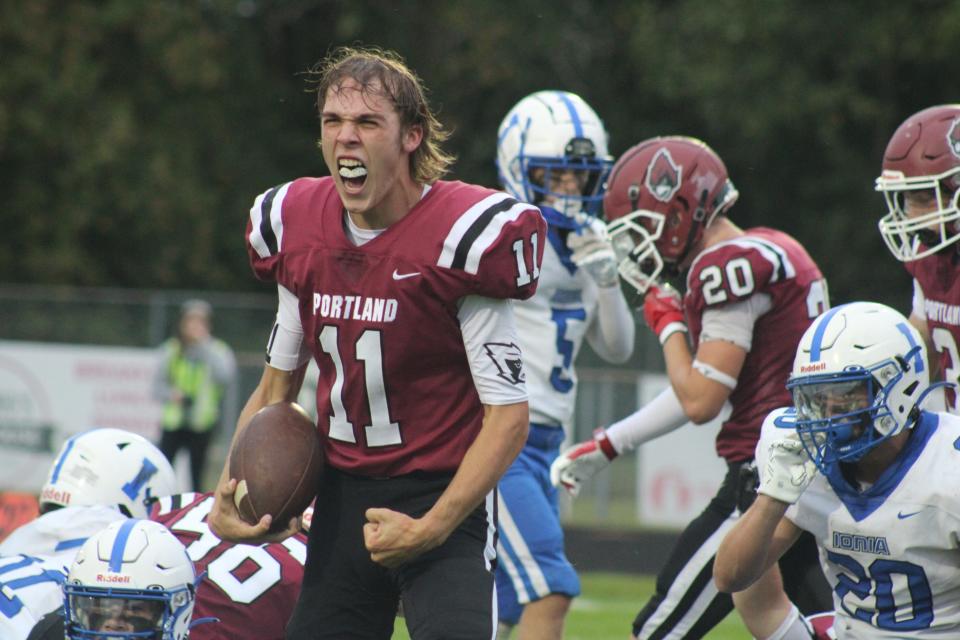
(607, 606)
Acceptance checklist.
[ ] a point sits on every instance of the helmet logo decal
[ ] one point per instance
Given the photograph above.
(132, 489)
(953, 137)
(663, 176)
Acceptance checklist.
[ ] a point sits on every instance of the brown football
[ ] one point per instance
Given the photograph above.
(277, 462)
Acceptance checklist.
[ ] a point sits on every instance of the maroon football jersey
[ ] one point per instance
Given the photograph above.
(395, 393)
(761, 261)
(250, 589)
(939, 278)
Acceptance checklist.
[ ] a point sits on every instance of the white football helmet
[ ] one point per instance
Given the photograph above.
(108, 467)
(542, 137)
(923, 155)
(134, 579)
(859, 376)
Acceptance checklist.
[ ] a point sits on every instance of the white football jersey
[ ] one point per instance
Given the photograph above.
(552, 325)
(59, 531)
(29, 589)
(892, 551)
(35, 560)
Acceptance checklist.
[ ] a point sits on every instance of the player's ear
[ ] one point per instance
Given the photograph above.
(412, 137)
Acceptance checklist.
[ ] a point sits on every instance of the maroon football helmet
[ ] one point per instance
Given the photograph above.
(661, 195)
(923, 155)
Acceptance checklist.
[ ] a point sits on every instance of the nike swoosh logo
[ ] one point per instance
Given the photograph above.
(404, 276)
(904, 516)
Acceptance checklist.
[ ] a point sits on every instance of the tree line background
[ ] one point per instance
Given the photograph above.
(134, 134)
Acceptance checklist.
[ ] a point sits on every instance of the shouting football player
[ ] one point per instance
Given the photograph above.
(749, 297)
(552, 151)
(858, 463)
(399, 286)
(921, 184)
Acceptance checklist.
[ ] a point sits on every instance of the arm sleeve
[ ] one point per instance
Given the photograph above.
(612, 332)
(734, 322)
(286, 348)
(492, 346)
(660, 416)
(918, 301)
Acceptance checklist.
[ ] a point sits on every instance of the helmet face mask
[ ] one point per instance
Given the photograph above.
(923, 155)
(858, 379)
(135, 614)
(134, 579)
(661, 197)
(836, 416)
(634, 239)
(552, 150)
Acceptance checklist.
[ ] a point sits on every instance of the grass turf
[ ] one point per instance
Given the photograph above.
(608, 605)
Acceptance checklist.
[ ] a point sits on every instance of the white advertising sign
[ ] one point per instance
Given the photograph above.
(677, 474)
(49, 392)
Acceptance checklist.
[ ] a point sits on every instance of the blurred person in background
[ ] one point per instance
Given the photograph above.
(750, 295)
(192, 377)
(552, 152)
(920, 181)
(858, 463)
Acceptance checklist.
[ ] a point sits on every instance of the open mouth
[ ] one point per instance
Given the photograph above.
(352, 172)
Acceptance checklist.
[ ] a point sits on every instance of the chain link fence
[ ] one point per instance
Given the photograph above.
(144, 318)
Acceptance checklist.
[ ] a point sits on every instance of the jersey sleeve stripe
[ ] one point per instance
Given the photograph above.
(783, 268)
(266, 235)
(489, 234)
(786, 270)
(460, 229)
(469, 240)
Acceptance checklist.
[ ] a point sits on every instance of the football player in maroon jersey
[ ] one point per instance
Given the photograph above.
(750, 295)
(249, 589)
(398, 284)
(920, 182)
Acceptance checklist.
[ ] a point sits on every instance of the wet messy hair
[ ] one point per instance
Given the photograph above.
(384, 73)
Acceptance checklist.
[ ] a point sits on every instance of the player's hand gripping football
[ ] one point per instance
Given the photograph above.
(593, 252)
(663, 311)
(225, 521)
(785, 468)
(581, 462)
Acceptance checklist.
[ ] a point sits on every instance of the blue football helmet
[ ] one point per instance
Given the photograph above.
(859, 377)
(132, 580)
(552, 149)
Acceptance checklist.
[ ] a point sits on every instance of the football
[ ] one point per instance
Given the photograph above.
(277, 462)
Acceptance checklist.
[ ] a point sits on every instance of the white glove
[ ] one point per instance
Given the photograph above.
(581, 462)
(787, 470)
(593, 252)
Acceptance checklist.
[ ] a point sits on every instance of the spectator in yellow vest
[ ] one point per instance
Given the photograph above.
(194, 373)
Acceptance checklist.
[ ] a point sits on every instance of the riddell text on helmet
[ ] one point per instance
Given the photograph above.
(55, 495)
